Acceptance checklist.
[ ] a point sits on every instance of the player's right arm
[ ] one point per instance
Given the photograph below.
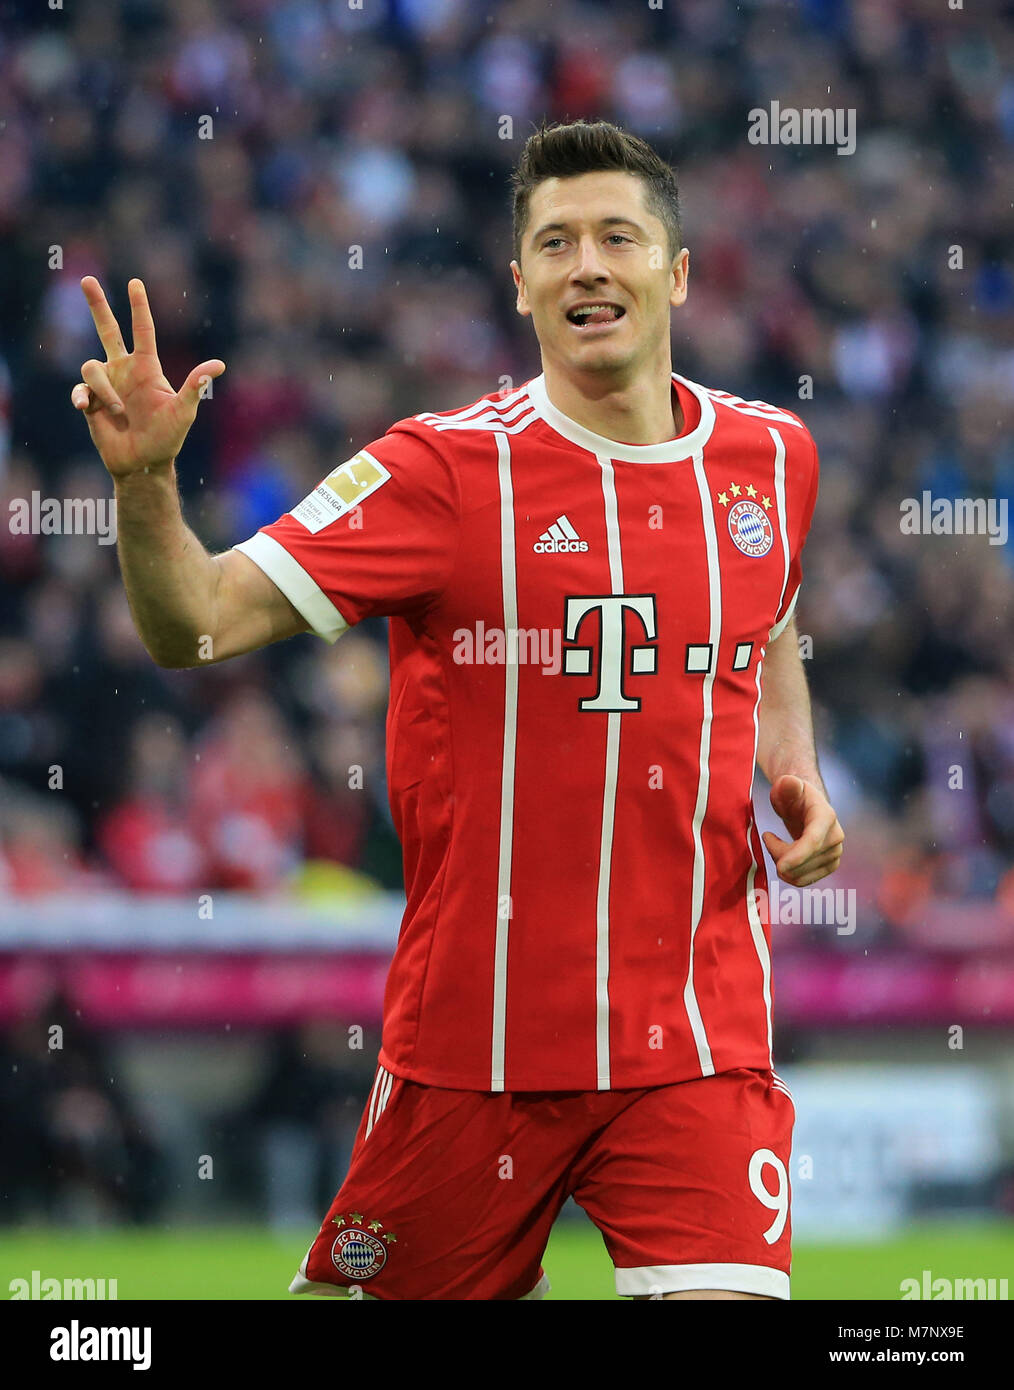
(189, 607)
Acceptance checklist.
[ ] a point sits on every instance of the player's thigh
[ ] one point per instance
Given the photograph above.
(689, 1185)
(449, 1195)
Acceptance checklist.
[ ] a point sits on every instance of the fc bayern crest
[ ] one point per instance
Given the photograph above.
(750, 528)
(358, 1254)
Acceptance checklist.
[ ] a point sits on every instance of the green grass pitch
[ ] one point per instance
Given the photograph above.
(247, 1263)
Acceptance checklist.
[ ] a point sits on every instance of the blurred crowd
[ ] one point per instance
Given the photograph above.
(878, 279)
(88, 1145)
(76, 1147)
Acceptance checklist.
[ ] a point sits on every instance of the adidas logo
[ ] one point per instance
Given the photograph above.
(561, 536)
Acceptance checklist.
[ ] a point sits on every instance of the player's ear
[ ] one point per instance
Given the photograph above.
(519, 284)
(680, 272)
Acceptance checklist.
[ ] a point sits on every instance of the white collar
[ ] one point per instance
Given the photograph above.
(670, 451)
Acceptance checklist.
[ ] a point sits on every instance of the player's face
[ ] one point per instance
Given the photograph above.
(590, 240)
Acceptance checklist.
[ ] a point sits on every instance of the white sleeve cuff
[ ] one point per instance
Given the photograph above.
(299, 587)
(783, 621)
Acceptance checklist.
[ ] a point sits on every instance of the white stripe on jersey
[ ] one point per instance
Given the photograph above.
(759, 408)
(510, 403)
(602, 1063)
(704, 779)
(780, 502)
(603, 1067)
(484, 410)
(488, 422)
(508, 565)
(756, 928)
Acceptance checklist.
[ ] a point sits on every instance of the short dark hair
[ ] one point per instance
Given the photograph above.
(560, 151)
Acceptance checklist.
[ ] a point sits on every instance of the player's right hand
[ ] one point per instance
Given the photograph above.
(135, 418)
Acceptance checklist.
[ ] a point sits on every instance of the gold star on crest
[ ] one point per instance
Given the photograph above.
(375, 1226)
(766, 501)
(751, 491)
(735, 489)
(338, 1220)
(357, 1217)
(723, 497)
(389, 1237)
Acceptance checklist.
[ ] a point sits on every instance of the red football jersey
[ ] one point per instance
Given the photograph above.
(576, 640)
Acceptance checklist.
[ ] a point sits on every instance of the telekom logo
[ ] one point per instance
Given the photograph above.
(612, 653)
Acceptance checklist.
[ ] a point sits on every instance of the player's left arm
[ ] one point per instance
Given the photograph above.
(787, 755)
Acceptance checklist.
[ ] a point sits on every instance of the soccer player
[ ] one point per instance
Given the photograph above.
(590, 581)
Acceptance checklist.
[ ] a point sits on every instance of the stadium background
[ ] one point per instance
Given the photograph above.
(196, 896)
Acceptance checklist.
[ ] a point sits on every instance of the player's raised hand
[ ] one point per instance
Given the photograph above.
(135, 418)
(817, 842)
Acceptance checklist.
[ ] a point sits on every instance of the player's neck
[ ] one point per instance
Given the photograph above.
(645, 410)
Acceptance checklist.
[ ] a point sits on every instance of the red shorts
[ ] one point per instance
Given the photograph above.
(452, 1194)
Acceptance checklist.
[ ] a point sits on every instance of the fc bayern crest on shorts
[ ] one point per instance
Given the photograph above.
(750, 528)
(357, 1254)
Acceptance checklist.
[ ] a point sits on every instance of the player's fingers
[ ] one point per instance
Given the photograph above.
(813, 840)
(787, 793)
(85, 399)
(81, 398)
(828, 846)
(193, 389)
(776, 845)
(815, 874)
(105, 323)
(95, 377)
(142, 325)
(817, 866)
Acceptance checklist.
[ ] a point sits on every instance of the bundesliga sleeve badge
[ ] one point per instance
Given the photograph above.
(341, 491)
(749, 524)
